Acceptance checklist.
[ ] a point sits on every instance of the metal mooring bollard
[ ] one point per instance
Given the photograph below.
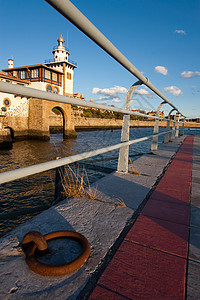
(59, 189)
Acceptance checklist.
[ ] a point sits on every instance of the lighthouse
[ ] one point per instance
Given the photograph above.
(60, 54)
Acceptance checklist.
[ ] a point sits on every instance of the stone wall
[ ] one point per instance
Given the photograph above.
(5, 139)
(39, 120)
(85, 123)
(82, 123)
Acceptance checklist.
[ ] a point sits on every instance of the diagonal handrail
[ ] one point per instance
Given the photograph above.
(70, 12)
(28, 92)
(9, 176)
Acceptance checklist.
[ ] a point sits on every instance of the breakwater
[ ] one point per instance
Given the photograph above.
(83, 123)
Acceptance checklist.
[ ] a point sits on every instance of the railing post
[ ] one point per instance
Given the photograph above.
(154, 144)
(59, 189)
(166, 138)
(177, 125)
(173, 129)
(124, 151)
(183, 125)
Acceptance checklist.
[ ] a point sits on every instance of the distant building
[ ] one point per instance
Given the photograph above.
(153, 113)
(139, 111)
(54, 77)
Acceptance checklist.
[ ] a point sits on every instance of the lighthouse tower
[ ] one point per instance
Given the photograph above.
(63, 64)
(60, 54)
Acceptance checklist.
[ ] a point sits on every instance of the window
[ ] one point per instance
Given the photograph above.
(6, 102)
(23, 75)
(55, 90)
(69, 76)
(34, 73)
(49, 88)
(54, 76)
(47, 74)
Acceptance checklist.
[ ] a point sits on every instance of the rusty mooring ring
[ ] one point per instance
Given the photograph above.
(40, 243)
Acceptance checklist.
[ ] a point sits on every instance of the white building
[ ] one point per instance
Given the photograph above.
(55, 77)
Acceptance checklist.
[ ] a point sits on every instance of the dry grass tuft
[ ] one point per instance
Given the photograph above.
(76, 183)
(132, 170)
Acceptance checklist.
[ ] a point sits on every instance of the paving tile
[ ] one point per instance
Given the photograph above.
(195, 216)
(101, 293)
(179, 171)
(171, 182)
(168, 211)
(196, 187)
(193, 286)
(194, 244)
(195, 200)
(196, 173)
(138, 272)
(171, 196)
(181, 165)
(196, 166)
(196, 179)
(177, 177)
(160, 234)
(185, 155)
(181, 195)
(180, 168)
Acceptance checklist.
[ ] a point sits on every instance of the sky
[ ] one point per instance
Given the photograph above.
(160, 38)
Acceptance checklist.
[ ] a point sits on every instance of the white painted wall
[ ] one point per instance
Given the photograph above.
(69, 84)
(42, 86)
(18, 106)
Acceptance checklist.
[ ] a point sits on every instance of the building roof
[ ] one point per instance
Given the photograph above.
(30, 67)
(60, 39)
(57, 62)
(13, 78)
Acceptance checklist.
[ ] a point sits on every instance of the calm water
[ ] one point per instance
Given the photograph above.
(22, 199)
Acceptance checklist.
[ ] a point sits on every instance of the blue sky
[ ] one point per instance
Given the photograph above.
(161, 38)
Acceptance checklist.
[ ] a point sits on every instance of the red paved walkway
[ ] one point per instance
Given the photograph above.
(151, 261)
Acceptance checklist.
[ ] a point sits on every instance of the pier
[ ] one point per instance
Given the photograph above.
(140, 228)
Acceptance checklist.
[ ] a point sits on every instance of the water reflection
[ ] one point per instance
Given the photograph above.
(22, 199)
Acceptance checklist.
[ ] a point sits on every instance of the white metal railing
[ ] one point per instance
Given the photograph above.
(23, 91)
(67, 9)
(46, 166)
(70, 12)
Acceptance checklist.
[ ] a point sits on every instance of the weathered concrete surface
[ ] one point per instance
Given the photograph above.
(193, 287)
(101, 221)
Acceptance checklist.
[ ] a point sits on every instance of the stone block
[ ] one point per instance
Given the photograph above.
(193, 287)
(194, 244)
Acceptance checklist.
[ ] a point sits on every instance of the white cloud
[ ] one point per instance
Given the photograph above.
(115, 100)
(180, 31)
(110, 94)
(113, 91)
(161, 69)
(190, 74)
(173, 90)
(142, 92)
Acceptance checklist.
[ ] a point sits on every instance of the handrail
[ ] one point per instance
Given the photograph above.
(9, 176)
(28, 92)
(70, 12)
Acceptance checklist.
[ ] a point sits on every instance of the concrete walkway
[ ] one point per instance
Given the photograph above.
(154, 249)
(151, 262)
